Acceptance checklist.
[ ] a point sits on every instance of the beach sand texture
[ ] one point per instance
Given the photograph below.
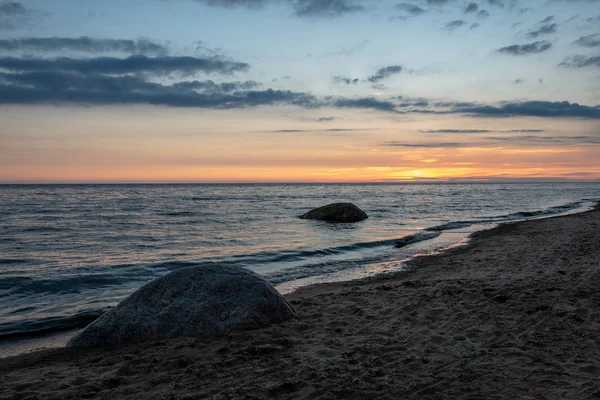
(516, 314)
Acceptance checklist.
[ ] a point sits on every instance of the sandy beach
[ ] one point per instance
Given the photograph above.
(515, 314)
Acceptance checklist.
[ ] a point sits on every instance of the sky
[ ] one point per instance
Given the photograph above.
(299, 90)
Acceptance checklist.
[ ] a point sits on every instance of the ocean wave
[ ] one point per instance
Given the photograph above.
(417, 237)
(509, 217)
(28, 285)
(12, 261)
(43, 326)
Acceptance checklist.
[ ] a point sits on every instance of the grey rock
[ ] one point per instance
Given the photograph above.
(337, 212)
(194, 301)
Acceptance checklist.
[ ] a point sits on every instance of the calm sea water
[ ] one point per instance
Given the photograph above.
(69, 252)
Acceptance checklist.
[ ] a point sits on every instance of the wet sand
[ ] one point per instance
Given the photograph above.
(514, 314)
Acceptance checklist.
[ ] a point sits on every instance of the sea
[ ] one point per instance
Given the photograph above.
(68, 253)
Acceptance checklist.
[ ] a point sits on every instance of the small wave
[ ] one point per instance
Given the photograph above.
(12, 261)
(451, 225)
(28, 285)
(42, 229)
(508, 217)
(417, 237)
(43, 326)
(180, 214)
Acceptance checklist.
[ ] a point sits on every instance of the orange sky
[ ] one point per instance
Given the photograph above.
(150, 144)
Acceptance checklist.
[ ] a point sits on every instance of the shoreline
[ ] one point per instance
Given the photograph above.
(17, 345)
(513, 313)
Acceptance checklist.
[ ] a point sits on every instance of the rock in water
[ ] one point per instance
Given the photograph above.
(337, 212)
(193, 301)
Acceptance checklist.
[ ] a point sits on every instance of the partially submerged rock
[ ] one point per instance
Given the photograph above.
(193, 301)
(337, 212)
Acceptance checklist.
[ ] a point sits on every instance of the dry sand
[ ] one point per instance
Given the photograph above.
(516, 314)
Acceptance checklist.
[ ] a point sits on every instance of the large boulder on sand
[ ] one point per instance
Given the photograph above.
(337, 212)
(193, 301)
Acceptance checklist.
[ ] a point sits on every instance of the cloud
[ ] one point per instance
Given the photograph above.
(315, 130)
(589, 41)
(71, 87)
(13, 15)
(345, 80)
(439, 2)
(455, 131)
(12, 8)
(453, 25)
(385, 72)
(479, 130)
(366, 102)
(410, 8)
(524, 49)
(547, 139)
(325, 8)
(302, 8)
(212, 87)
(496, 3)
(483, 14)
(518, 81)
(548, 19)
(134, 64)
(471, 8)
(351, 50)
(235, 3)
(543, 30)
(580, 61)
(533, 108)
(424, 145)
(83, 44)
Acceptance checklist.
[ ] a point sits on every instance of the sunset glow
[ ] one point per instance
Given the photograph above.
(88, 93)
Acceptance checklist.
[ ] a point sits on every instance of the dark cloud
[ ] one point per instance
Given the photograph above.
(212, 87)
(12, 8)
(496, 3)
(325, 8)
(580, 61)
(325, 119)
(589, 41)
(453, 25)
(302, 8)
(543, 30)
(69, 87)
(532, 108)
(345, 80)
(410, 8)
(83, 44)
(471, 8)
(438, 2)
(235, 3)
(133, 64)
(366, 102)
(547, 19)
(475, 25)
(524, 49)
(385, 72)
(483, 14)
(14, 15)
(518, 81)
